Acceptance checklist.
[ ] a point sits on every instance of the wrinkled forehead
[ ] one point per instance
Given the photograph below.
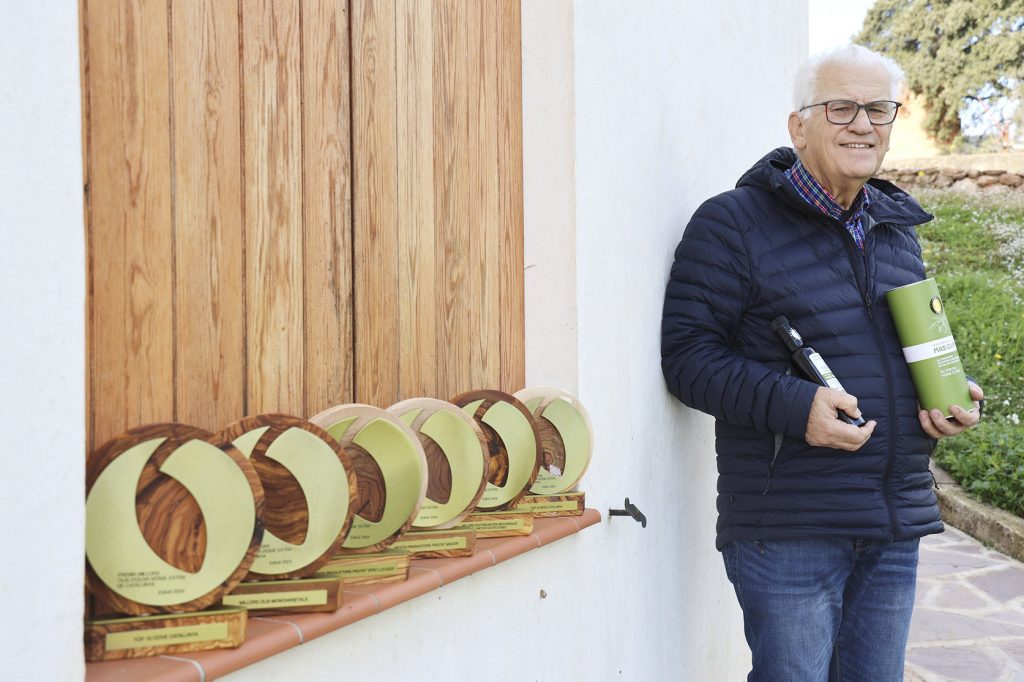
(856, 82)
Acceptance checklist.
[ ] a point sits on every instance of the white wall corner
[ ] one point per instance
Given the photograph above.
(549, 194)
(42, 344)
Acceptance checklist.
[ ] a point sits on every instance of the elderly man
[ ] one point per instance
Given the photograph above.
(819, 520)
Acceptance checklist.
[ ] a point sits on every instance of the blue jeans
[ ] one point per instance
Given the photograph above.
(820, 609)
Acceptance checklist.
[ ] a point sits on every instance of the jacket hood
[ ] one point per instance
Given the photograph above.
(889, 203)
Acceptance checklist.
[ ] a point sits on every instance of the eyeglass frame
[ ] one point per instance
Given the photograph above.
(859, 108)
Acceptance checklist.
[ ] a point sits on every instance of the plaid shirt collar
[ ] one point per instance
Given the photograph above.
(811, 191)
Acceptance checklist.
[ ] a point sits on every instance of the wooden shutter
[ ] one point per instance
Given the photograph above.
(293, 204)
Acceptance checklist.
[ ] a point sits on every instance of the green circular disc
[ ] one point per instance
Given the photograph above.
(399, 457)
(460, 440)
(575, 437)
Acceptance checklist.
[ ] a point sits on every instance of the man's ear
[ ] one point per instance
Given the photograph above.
(796, 131)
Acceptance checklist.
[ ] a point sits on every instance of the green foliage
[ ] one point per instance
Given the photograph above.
(975, 250)
(988, 464)
(951, 50)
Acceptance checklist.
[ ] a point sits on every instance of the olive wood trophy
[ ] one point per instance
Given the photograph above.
(567, 441)
(309, 486)
(173, 523)
(456, 468)
(513, 460)
(391, 470)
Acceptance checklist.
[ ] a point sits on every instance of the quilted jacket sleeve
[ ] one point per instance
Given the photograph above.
(709, 288)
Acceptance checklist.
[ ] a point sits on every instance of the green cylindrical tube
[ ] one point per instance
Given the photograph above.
(928, 346)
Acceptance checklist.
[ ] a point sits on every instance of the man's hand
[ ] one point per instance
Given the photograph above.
(825, 429)
(937, 426)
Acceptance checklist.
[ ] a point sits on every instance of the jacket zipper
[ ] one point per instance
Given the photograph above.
(775, 455)
(859, 262)
(771, 464)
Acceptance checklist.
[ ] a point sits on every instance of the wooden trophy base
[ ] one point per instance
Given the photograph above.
(497, 524)
(563, 504)
(304, 595)
(390, 566)
(436, 544)
(116, 638)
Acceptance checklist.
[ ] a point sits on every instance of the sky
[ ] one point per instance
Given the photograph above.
(833, 22)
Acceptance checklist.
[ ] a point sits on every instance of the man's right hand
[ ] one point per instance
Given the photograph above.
(826, 429)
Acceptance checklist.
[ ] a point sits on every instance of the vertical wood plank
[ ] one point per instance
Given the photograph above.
(374, 120)
(327, 205)
(455, 302)
(483, 302)
(272, 171)
(510, 179)
(208, 276)
(129, 232)
(417, 286)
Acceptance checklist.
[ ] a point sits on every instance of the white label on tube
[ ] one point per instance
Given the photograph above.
(930, 349)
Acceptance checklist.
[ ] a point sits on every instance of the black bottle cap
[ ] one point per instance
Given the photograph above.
(785, 331)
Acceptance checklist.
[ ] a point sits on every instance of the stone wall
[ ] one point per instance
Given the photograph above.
(955, 178)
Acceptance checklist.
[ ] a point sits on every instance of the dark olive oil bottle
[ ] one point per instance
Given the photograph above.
(808, 363)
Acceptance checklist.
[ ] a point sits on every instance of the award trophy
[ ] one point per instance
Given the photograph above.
(391, 469)
(567, 441)
(513, 460)
(172, 525)
(309, 488)
(456, 468)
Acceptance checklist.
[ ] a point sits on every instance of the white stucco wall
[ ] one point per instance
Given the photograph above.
(549, 194)
(674, 100)
(42, 343)
(633, 114)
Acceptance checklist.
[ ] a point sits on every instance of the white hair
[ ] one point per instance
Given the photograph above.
(806, 82)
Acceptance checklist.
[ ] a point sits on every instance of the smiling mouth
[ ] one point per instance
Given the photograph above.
(856, 145)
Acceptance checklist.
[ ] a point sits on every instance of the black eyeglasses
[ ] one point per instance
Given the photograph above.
(843, 112)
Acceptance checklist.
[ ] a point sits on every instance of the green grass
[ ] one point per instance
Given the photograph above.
(975, 250)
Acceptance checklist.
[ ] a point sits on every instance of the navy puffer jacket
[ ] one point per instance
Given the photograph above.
(760, 251)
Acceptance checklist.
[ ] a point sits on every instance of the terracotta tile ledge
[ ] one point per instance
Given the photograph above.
(268, 635)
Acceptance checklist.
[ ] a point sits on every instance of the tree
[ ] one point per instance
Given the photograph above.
(954, 52)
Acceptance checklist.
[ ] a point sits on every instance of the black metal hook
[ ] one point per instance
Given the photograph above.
(630, 510)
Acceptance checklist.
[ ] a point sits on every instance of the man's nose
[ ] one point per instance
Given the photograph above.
(861, 123)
